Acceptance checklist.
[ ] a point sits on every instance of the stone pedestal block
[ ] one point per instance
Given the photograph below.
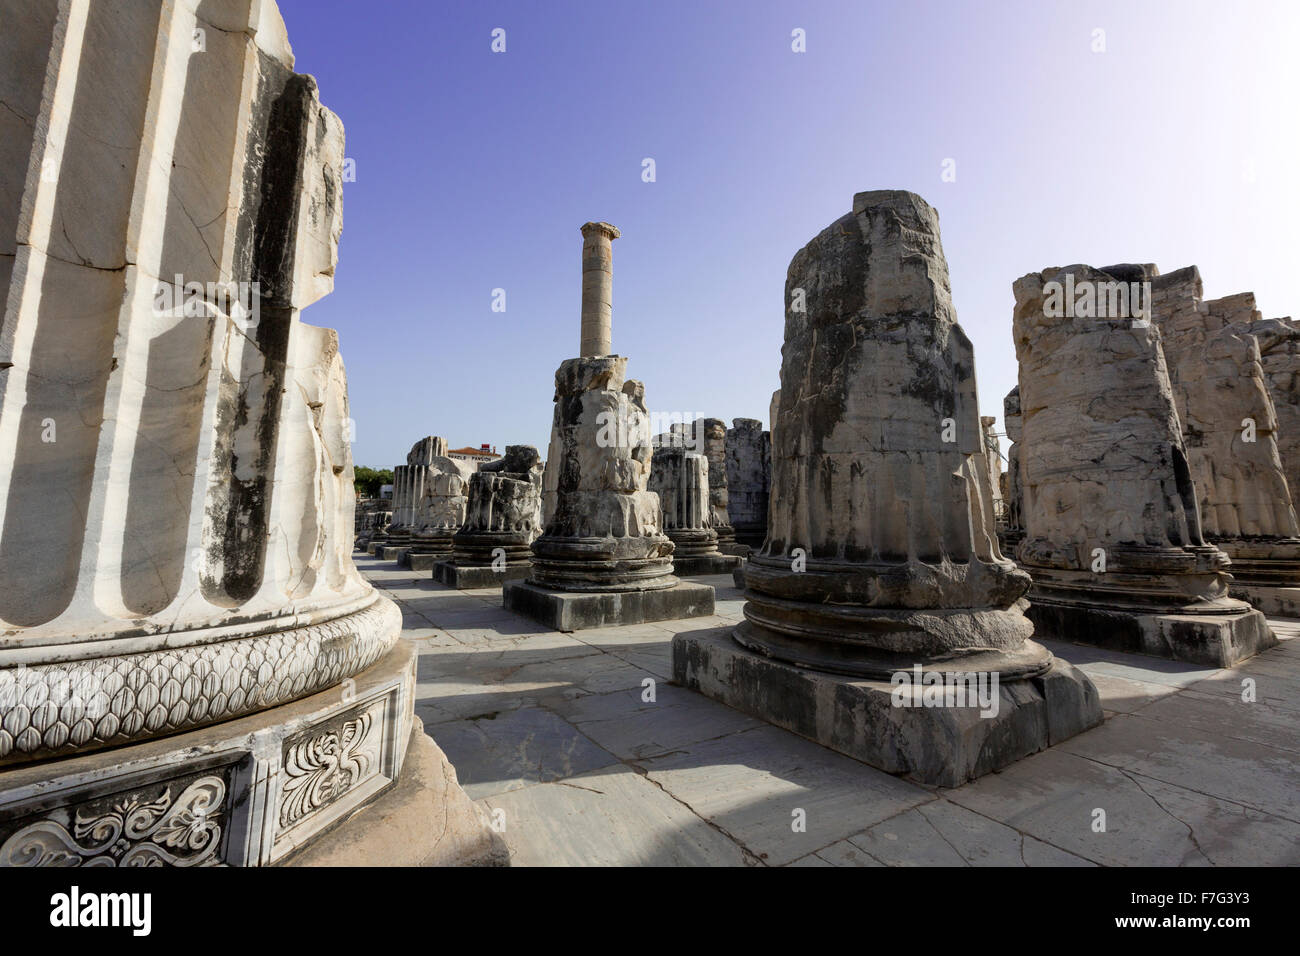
(938, 745)
(578, 610)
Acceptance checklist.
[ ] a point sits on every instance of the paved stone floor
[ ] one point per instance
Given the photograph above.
(552, 730)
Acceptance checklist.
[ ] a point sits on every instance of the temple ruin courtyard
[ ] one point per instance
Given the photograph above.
(551, 729)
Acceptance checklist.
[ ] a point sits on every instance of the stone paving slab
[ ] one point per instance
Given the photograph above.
(752, 785)
(493, 755)
(609, 817)
(1242, 772)
(942, 833)
(636, 729)
(587, 772)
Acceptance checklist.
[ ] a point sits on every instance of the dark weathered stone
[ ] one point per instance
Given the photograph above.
(577, 610)
(941, 746)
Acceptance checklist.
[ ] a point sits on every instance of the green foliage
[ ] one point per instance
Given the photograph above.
(368, 481)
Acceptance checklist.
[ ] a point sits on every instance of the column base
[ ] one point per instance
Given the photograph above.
(1269, 600)
(943, 746)
(1219, 640)
(468, 577)
(245, 792)
(735, 549)
(578, 610)
(716, 563)
(391, 552)
(420, 560)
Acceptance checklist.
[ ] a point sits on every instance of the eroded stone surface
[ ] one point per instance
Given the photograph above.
(749, 470)
(1109, 505)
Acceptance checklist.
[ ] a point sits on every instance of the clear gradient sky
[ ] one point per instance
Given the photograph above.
(1177, 145)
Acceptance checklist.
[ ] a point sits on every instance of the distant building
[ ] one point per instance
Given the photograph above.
(386, 491)
(477, 457)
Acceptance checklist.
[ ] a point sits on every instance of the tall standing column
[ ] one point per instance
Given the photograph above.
(603, 557)
(597, 288)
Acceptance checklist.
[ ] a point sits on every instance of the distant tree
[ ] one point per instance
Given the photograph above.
(368, 481)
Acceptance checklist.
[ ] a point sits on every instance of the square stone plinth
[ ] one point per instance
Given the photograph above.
(576, 610)
(943, 746)
(1270, 601)
(706, 564)
(390, 554)
(1219, 640)
(419, 562)
(468, 577)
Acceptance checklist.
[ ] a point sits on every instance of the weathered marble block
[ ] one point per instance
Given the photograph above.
(749, 471)
(1011, 531)
(681, 480)
(1230, 431)
(503, 518)
(193, 672)
(1279, 358)
(881, 557)
(439, 498)
(1112, 528)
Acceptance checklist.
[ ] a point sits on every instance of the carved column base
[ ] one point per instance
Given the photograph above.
(485, 559)
(247, 792)
(426, 550)
(641, 563)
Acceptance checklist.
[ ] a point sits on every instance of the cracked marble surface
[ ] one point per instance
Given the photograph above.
(556, 735)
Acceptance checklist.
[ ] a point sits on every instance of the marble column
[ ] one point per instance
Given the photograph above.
(749, 468)
(1110, 509)
(881, 566)
(503, 517)
(597, 288)
(440, 503)
(1011, 530)
(1230, 432)
(603, 557)
(185, 631)
(681, 479)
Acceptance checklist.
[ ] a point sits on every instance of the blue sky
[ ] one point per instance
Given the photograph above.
(1176, 145)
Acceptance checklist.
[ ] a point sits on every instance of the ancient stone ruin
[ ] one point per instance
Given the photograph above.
(1279, 359)
(398, 538)
(603, 557)
(749, 479)
(1230, 430)
(681, 480)
(1112, 526)
(503, 518)
(437, 489)
(712, 437)
(1011, 530)
(193, 673)
(881, 563)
